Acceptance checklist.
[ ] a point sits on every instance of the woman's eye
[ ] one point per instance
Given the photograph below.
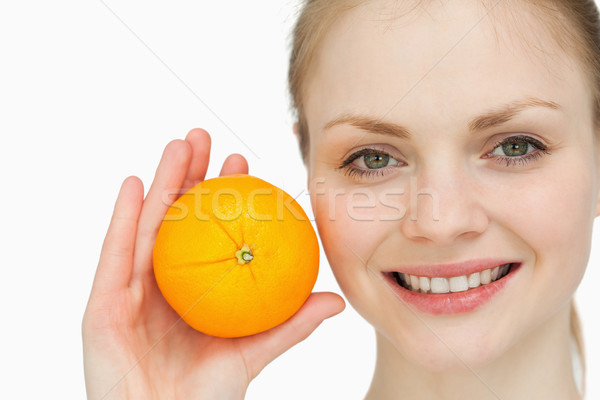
(375, 160)
(368, 162)
(514, 148)
(518, 149)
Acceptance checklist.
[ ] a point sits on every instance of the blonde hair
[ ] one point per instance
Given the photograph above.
(573, 24)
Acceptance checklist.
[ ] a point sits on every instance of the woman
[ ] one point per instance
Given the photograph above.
(453, 167)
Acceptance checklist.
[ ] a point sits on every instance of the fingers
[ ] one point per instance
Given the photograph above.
(200, 142)
(259, 350)
(116, 258)
(166, 187)
(234, 164)
(183, 164)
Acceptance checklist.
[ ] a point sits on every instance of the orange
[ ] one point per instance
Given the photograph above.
(235, 256)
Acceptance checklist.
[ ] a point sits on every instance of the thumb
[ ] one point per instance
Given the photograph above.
(260, 349)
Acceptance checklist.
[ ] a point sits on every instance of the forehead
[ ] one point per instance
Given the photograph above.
(451, 60)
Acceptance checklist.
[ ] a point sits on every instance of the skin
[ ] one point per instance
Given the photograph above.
(540, 213)
(522, 212)
(134, 344)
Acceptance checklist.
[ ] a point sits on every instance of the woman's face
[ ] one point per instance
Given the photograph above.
(434, 187)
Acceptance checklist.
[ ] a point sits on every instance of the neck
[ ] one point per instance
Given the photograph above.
(538, 367)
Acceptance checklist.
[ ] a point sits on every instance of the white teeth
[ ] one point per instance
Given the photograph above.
(405, 279)
(424, 283)
(453, 284)
(486, 276)
(459, 283)
(414, 282)
(474, 280)
(504, 270)
(439, 285)
(495, 273)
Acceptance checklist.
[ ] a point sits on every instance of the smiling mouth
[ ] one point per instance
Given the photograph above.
(462, 283)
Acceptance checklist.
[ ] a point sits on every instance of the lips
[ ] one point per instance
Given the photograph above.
(451, 288)
(450, 270)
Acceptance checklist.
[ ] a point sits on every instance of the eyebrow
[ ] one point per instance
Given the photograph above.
(495, 117)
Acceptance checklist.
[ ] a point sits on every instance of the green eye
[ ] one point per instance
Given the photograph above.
(516, 148)
(368, 162)
(376, 160)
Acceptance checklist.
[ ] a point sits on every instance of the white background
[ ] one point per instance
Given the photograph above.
(90, 93)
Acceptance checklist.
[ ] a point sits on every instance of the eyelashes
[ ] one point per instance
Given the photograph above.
(359, 173)
(531, 143)
(366, 156)
(521, 150)
(371, 158)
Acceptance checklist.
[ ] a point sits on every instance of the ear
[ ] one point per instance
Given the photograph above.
(598, 205)
(597, 160)
(296, 133)
(296, 129)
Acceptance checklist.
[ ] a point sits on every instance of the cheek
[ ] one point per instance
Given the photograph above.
(573, 215)
(553, 218)
(352, 225)
(346, 239)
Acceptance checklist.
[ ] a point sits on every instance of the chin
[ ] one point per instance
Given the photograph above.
(449, 349)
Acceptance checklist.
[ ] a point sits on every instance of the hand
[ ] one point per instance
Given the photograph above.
(134, 344)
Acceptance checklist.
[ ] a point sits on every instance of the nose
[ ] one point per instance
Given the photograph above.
(444, 208)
